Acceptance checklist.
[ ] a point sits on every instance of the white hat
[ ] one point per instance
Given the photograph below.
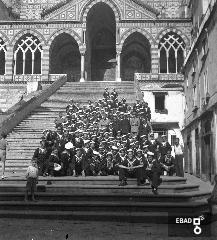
(150, 153)
(96, 153)
(145, 146)
(57, 167)
(86, 141)
(69, 145)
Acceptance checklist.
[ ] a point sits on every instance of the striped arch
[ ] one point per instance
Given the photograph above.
(139, 30)
(33, 32)
(177, 31)
(68, 31)
(91, 3)
(4, 37)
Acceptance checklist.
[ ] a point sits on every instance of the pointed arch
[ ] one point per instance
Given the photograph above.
(3, 50)
(28, 31)
(65, 30)
(135, 56)
(139, 30)
(172, 52)
(28, 53)
(175, 30)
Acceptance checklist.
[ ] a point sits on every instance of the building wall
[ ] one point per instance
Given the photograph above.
(201, 96)
(174, 105)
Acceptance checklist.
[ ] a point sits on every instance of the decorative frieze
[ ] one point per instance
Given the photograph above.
(160, 77)
(55, 77)
(28, 78)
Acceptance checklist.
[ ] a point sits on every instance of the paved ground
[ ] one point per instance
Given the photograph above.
(76, 230)
(22, 229)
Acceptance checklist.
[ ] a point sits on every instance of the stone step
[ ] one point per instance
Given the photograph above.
(89, 180)
(102, 85)
(90, 91)
(105, 206)
(144, 217)
(109, 197)
(180, 188)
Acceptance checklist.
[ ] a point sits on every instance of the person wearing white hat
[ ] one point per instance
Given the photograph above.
(154, 144)
(106, 94)
(94, 164)
(169, 164)
(131, 167)
(164, 146)
(134, 124)
(153, 172)
(53, 161)
(65, 158)
(107, 165)
(145, 127)
(78, 165)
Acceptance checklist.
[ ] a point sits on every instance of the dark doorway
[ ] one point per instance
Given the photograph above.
(65, 57)
(101, 43)
(135, 57)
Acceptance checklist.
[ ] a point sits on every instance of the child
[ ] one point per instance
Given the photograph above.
(3, 149)
(32, 179)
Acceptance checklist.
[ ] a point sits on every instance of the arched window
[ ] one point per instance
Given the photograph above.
(27, 55)
(172, 53)
(2, 56)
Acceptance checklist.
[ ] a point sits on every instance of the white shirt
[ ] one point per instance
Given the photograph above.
(32, 172)
(178, 150)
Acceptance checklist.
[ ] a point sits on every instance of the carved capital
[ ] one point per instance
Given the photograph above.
(82, 50)
(118, 49)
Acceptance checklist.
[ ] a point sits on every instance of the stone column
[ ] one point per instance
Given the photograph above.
(82, 51)
(9, 64)
(154, 59)
(118, 67)
(45, 63)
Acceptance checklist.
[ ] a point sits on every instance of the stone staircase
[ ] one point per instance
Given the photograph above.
(100, 198)
(25, 137)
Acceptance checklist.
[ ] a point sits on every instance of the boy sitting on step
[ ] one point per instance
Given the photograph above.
(32, 179)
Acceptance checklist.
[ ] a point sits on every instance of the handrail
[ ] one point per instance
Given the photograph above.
(27, 105)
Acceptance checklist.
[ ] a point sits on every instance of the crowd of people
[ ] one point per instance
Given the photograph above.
(106, 137)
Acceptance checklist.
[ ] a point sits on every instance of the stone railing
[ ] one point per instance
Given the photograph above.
(55, 77)
(27, 78)
(22, 109)
(159, 77)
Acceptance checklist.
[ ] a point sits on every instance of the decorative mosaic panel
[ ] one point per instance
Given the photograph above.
(169, 8)
(55, 77)
(28, 78)
(128, 9)
(160, 77)
(134, 11)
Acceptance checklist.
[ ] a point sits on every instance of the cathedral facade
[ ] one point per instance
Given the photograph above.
(101, 40)
(97, 40)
